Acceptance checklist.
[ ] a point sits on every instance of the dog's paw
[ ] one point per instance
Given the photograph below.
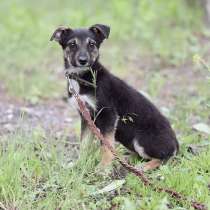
(150, 165)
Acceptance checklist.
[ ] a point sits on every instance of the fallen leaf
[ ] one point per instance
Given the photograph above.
(202, 127)
(112, 186)
(195, 149)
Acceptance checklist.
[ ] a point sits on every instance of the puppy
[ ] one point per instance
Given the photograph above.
(120, 112)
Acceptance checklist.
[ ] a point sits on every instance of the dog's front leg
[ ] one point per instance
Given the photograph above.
(84, 131)
(107, 155)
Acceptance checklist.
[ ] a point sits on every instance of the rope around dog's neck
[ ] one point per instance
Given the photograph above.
(86, 114)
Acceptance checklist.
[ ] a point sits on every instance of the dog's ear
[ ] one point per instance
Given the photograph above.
(101, 31)
(60, 33)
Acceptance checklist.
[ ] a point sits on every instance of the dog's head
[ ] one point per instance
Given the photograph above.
(81, 46)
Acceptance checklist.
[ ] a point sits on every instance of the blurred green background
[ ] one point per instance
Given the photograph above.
(165, 31)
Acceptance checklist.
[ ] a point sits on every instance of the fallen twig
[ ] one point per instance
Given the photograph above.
(86, 114)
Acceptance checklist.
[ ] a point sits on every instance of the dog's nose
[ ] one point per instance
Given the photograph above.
(83, 60)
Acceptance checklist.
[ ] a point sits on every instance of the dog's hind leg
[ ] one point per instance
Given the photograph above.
(152, 164)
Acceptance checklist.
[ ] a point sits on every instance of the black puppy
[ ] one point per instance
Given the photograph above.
(120, 112)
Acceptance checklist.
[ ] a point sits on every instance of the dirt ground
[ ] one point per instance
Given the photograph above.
(52, 114)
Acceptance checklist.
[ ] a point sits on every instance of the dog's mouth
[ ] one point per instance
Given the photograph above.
(78, 66)
(77, 69)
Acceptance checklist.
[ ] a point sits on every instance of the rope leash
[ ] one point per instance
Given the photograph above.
(139, 173)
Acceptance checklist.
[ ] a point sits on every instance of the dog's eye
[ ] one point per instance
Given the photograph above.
(72, 44)
(91, 44)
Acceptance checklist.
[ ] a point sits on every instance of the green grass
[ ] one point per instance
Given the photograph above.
(37, 172)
